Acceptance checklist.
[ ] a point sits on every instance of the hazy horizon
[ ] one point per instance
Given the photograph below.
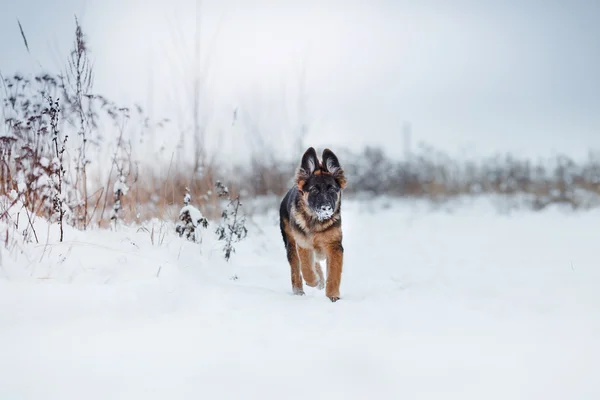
(471, 79)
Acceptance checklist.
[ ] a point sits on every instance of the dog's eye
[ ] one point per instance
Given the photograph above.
(314, 189)
(332, 189)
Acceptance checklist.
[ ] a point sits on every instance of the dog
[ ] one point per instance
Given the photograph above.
(311, 223)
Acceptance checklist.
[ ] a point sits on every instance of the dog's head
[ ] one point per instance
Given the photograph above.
(320, 183)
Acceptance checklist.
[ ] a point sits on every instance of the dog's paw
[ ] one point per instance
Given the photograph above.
(334, 299)
(298, 292)
(321, 285)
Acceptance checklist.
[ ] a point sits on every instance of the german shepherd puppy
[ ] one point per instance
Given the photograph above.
(311, 223)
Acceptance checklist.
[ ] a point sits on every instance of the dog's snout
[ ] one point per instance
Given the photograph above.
(325, 208)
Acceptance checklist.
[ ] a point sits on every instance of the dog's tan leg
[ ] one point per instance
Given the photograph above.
(307, 262)
(335, 259)
(319, 271)
(292, 255)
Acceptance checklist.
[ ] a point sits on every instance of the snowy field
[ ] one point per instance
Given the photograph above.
(468, 304)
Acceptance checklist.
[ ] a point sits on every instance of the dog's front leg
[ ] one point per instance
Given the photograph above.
(294, 261)
(335, 259)
(307, 263)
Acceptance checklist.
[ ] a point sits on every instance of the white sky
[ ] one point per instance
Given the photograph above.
(476, 77)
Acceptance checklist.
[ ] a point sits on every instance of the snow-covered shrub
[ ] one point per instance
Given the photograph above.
(120, 189)
(232, 228)
(32, 152)
(59, 205)
(27, 149)
(77, 85)
(190, 218)
(124, 166)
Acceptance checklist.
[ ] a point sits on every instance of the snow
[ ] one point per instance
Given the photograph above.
(21, 185)
(323, 214)
(444, 303)
(195, 214)
(120, 186)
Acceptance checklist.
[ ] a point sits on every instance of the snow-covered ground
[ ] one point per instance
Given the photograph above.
(467, 304)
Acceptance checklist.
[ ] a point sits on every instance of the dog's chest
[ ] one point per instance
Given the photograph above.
(304, 241)
(311, 242)
(319, 255)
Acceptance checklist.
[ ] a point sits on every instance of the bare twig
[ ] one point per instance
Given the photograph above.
(101, 190)
(31, 225)
(23, 36)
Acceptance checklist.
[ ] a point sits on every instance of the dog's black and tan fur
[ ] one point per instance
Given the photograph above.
(311, 223)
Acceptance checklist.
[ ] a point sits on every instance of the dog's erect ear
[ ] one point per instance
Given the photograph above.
(310, 162)
(308, 166)
(332, 165)
(330, 162)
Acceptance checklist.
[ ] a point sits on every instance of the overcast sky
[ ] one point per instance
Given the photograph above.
(471, 76)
